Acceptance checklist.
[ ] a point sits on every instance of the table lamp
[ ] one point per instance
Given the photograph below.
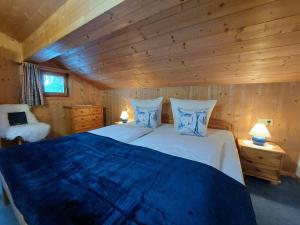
(259, 134)
(124, 116)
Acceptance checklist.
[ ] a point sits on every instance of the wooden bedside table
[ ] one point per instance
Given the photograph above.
(261, 161)
(121, 123)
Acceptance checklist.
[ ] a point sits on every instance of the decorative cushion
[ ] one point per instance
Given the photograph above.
(147, 112)
(192, 116)
(192, 122)
(17, 118)
(146, 117)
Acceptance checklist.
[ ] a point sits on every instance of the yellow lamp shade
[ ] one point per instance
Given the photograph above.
(124, 115)
(260, 130)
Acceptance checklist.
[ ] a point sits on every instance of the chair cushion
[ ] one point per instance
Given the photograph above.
(29, 132)
(17, 118)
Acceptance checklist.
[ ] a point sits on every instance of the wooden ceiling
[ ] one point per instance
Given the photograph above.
(19, 18)
(152, 43)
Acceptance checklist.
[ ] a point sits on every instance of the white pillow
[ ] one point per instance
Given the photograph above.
(191, 117)
(147, 112)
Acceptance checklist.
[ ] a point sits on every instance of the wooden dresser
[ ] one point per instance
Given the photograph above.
(261, 161)
(82, 118)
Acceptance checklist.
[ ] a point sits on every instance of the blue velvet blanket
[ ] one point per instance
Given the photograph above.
(85, 179)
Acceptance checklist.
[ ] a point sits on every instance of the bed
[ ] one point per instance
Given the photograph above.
(217, 150)
(138, 179)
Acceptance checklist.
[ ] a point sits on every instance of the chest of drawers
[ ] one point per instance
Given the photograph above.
(83, 118)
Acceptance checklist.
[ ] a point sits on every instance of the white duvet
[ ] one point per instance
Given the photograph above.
(184, 146)
(123, 133)
(218, 149)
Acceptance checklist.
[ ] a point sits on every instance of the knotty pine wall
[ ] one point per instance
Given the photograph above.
(80, 92)
(240, 104)
(190, 42)
(10, 53)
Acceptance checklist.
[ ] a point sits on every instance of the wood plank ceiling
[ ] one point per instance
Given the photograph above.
(19, 18)
(152, 43)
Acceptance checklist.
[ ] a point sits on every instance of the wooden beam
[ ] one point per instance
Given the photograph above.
(11, 45)
(53, 69)
(120, 17)
(70, 16)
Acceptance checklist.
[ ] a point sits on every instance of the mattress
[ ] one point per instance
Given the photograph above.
(165, 139)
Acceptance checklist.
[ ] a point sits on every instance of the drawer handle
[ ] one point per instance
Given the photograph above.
(258, 170)
(250, 161)
(260, 157)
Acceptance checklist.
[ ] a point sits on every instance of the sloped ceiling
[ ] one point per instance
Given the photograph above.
(175, 43)
(20, 18)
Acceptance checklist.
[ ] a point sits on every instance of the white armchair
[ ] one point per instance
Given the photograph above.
(30, 132)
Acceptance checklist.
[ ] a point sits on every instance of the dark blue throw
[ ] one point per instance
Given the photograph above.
(85, 179)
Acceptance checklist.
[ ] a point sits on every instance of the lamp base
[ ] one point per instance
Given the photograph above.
(124, 121)
(259, 140)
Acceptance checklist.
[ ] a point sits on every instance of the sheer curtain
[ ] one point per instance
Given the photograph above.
(32, 92)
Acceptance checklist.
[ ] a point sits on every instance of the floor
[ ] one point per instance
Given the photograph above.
(7, 217)
(273, 205)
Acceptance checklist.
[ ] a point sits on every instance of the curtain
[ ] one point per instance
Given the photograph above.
(32, 93)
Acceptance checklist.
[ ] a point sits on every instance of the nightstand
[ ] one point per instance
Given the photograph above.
(261, 161)
(121, 123)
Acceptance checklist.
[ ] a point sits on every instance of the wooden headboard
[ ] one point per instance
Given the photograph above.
(213, 123)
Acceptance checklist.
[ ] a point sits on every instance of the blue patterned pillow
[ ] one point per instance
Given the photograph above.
(146, 117)
(192, 122)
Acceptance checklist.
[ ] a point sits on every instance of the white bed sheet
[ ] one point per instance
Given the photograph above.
(202, 149)
(123, 133)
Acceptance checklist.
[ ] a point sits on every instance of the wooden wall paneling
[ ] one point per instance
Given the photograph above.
(200, 59)
(144, 10)
(207, 49)
(19, 19)
(81, 92)
(287, 64)
(10, 54)
(212, 25)
(240, 105)
(9, 77)
(235, 32)
(71, 15)
(216, 9)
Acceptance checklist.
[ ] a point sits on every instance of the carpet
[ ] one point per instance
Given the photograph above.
(275, 204)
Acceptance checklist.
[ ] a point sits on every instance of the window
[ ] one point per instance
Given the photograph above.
(55, 84)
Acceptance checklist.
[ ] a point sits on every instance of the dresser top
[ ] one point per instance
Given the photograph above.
(82, 106)
(270, 147)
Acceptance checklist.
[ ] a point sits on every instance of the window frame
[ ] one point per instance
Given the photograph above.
(66, 84)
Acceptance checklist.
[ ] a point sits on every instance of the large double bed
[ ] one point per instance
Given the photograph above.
(124, 174)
